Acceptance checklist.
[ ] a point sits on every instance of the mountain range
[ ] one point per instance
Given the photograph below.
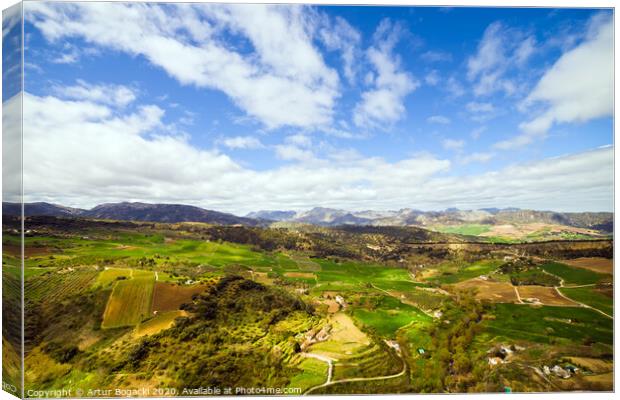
(602, 221)
(126, 211)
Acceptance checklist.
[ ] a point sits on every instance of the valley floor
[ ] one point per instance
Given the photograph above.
(174, 308)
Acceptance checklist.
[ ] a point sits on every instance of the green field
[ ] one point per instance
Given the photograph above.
(130, 301)
(466, 229)
(545, 324)
(588, 295)
(110, 275)
(572, 275)
(388, 316)
(314, 372)
(454, 272)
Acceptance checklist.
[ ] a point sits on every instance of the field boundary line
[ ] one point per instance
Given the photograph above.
(397, 298)
(583, 305)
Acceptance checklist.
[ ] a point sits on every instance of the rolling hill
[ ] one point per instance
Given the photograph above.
(133, 212)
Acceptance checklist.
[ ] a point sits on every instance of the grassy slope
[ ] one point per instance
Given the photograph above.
(544, 324)
(572, 275)
(389, 316)
(466, 229)
(589, 295)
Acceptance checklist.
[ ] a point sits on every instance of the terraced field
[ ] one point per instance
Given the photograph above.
(314, 373)
(375, 360)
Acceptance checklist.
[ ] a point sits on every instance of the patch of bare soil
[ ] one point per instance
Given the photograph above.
(498, 292)
(596, 264)
(300, 275)
(544, 295)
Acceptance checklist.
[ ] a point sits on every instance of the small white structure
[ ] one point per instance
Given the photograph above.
(393, 344)
(560, 372)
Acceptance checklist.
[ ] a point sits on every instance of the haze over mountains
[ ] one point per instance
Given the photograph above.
(126, 211)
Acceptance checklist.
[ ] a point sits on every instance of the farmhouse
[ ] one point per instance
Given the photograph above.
(393, 344)
(560, 372)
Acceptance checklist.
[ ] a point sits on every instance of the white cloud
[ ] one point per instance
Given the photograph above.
(116, 156)
(292, 152)
(576, 182)
(515, 142)
(12, 140)
(453, 144)
(116, 95)
(383, 103)
(339, 35)
(432, 78)
(299, 140)
(111, 155)
(475, 134)
(477, 107)
(525, 50)
(66, 58)
(438, 119)
(579, 86)
(490, 52)
(480, 111)
(454, 87)
(282, 81)
(501, 49)
(242, 142)
(11, 17)
(436, 56)
(476, 157)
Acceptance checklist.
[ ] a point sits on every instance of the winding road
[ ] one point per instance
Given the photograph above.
(561, 285)
(557, 289)
(330, 382)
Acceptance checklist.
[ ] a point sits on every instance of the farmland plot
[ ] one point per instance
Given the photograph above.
(130, 301)
(169, 297)
(544, 295)
(55, 286)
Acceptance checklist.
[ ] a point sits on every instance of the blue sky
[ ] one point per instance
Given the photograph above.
(240, 108)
